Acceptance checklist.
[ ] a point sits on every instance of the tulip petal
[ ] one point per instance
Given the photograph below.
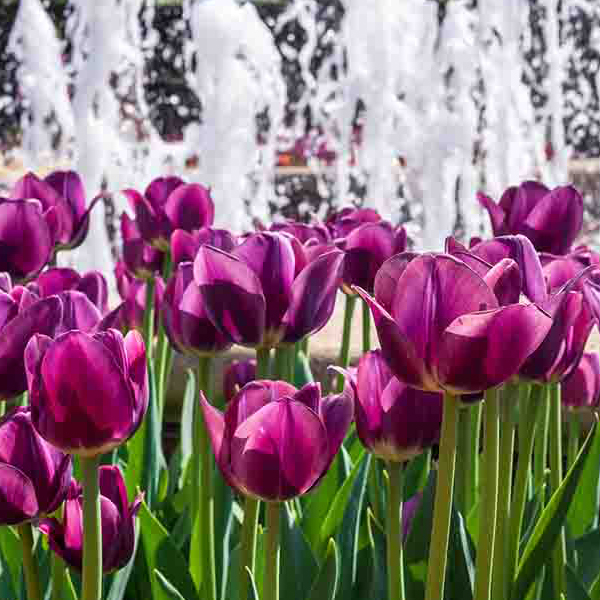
(337, 412)
(94, 286)
(18, 501)
(56, 280)
(388, 276)
(68, 184)
(159, 190)
(78, 312)
(310, 395)
(504, 279)
(112, 486)
(496, 213)
(189, 207)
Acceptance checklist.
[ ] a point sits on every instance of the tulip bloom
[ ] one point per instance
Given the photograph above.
(184, 245)
(441, 327)
(184, 316)
(34, 476)
(117, 522)
(551, 219)
(236, 376)
(141, 259)
(255, 295)
(303, 232)
(275, 442)
(88, 393)
(393, 421)
(581, 389)
(342, 222)
(168, 204)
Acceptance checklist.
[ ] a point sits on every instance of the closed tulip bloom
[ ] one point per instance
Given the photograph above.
(275, 442)
(342, 222)
(168, 204)
(117, 523)
(441, 328)
(186, 322)
(236, 376)
(551, 219)
(88, 393)
(256, 296)
(581, 389)
(92, 284)
(393, 421)
(184, 245)
(140, 258)
(34, 476)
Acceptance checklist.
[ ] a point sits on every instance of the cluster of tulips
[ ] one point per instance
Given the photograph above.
(272, 489)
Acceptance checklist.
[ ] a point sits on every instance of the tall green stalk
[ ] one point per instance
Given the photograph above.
(395, 566)
(438, 548)
(489, 504)
(574, 436)
(467, 464)
(344, 359)
(527, 425)
(272, 552)
(366, 327)
(163, 348)
(30, 568)
(559, 555)
(540, 459)
(59, 571)
(92, 531)
(148, 324)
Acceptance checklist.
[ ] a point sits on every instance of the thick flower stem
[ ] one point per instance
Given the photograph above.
(163, 347)
(366, 327)
(344, 359)
(59, 571)
(203, 504)
(272, 552)
(438, 548)
(527, 426)
(489, 504)
(30, 568)
(395, 566)
(574, 435)
(149, 318)
(540, 460)
(467, 468)
(559, 556)
(92, 532)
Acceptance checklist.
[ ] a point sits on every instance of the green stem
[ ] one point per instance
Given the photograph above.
(163, 346)
(467, 463)
(149, 318)
(92, 532)
(272, 552)
(541, 448)
(507, 445)
(30, 568)
(559, 557)
(438, 548)
(574, 435)
(395, 562)
(344, 359)
(487, 525)
(366, 327)
(262, 363)
(203, 502)
(304, 345)
(59, 571)
(527, 425)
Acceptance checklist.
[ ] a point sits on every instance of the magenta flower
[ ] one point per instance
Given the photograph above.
(34, 476)
(168, 204)
(551, 219)
(441, 328)
(141, 259)
(255, 295)
(88, 393)
(117, 522)
(276, 442)
(342, 222)
(236, 376)
(581, 389)
(186, 322)
(303, 232)
(184, 245)
(393, 421)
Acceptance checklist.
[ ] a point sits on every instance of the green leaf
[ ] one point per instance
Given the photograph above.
(575, 588)
(588, 567)
(253, 591)
(584, 506)
(302, 370)
(415, 474)
(166, 590)
(377, 542)
(187, 421)
(460, 573)
(162, 554)
(10, 546)
(325, 585)
(550, 523)
(118, 581)
(416, 547)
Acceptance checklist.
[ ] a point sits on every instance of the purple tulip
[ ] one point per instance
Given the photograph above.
(184, 245)
(186, 323)
(393, 421)
(168, 204)
(88, 393)
(255, 295)
(34, 476)
(581, 389)
(441, 328)
(559, 270)
(236, 376)
(342, 222)
(92, 284)
(275, 442)
(303, 232)
(551, 219)
(141, 259)
(117, 522)
(26, 237)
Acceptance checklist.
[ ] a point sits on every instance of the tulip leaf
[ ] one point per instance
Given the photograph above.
(326, 582)
(190, 397)
(224, 527)
(10, 546)
(377, 542)
(162, 554)
(583, 511)
(166, 590)
(118, 581)
(548, 527)
(253, 591)
(302, 370)
(416, 473)
(575, 588)
(586, 547)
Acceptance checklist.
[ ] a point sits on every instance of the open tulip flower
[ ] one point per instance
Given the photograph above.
(581, 389)
(441, 328)
(88, 393)
(140, 258)
(34, 476)
(117, 522)
(168, 204)
(394, 421)
(184, 245)
(551, 219)
(275, 442)
(256, 297)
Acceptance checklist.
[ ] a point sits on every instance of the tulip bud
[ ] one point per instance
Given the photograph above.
(237, 375)
(581, 389)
